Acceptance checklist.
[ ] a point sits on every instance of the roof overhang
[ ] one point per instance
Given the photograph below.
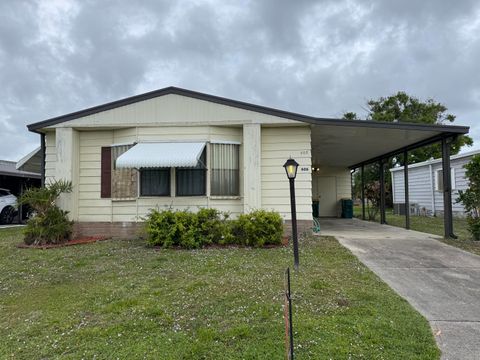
(351, 143)
(161, 155)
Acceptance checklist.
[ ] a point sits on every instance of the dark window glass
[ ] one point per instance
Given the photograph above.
(155, 182)
(192, 181)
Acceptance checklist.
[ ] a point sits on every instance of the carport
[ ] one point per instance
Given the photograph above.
(353, 144)
(21, 175)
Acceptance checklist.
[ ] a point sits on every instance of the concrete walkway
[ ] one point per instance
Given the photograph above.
(10, 226)
(440, 281)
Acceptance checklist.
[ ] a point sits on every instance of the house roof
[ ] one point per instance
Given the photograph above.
(8, 168)
(436, 161)
(27, 158)
(237, 104)
(335, 142)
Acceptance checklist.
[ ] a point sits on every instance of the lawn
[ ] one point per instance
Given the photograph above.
(433, 225)
(119, 299)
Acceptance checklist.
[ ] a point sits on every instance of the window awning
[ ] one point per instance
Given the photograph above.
(160, 155)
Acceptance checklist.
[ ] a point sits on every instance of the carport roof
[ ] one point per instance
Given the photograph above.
(351, 143)
(335, 142)
(8, 168)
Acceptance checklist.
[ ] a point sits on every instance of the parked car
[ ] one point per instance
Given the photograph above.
(8, 206)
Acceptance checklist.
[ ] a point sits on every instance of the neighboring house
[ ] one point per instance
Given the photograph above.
(425, 185)
(183, 149)
(18, 176)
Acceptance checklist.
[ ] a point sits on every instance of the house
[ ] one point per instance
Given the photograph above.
(184, 149)
(425, 181)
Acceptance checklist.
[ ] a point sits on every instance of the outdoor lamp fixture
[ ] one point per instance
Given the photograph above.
(291, 167)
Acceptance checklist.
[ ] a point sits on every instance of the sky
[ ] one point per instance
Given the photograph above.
(320, 58)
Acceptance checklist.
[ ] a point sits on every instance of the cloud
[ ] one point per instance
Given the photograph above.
(316, 57)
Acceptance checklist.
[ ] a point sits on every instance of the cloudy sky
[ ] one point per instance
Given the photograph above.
(321, 58)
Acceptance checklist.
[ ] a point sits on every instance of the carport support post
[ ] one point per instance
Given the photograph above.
(407, 200)
(447, 189)
(382, 192)
(363, 192)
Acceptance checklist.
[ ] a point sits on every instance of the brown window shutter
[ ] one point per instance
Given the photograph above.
(106, 173)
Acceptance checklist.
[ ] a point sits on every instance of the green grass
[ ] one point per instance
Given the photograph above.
(433, 225)
(119, 299)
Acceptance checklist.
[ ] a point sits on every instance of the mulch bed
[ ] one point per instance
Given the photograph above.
(78, 241)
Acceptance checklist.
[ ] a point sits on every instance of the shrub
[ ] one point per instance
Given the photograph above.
(50, 225)
(189, 230)
(169, 228)
(259, 228)
(474, 227)
(213, 226)
(53, 227)
(470, 198)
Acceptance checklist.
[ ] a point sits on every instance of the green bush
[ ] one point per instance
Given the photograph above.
(53, 227)
(259, 228)
(213, 227)
(474, 226)
(50, 225)
(470, 198)
(189, 230)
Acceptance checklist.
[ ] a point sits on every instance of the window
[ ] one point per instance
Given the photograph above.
(192, 181)
(116, 183)
(155, 182)
(224, 164)
(123, 183)
(439, 179)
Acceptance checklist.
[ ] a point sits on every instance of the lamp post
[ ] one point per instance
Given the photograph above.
(291, 170)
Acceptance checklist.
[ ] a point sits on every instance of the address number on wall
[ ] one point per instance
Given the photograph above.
(303, 169)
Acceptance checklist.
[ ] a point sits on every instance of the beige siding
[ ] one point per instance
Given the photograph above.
(90, 206)
(93, 208)
(50, 156)
(125, 136)
(278, 144)
(173, 110)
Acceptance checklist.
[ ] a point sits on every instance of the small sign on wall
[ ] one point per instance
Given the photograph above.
(304, 169)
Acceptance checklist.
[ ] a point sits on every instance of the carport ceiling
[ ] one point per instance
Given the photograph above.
(346, 143)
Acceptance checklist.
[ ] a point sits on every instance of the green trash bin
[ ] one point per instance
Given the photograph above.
(315, 208)
(347, 208)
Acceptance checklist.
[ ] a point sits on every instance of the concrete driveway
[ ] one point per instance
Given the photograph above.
(440, 281)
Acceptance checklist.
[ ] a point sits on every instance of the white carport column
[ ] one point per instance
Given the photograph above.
(252, 184)
(67, 167)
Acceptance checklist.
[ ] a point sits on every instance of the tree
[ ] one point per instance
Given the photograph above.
(470, 198)
(402, 107)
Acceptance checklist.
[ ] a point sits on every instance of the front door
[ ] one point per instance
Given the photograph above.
(327, 195)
